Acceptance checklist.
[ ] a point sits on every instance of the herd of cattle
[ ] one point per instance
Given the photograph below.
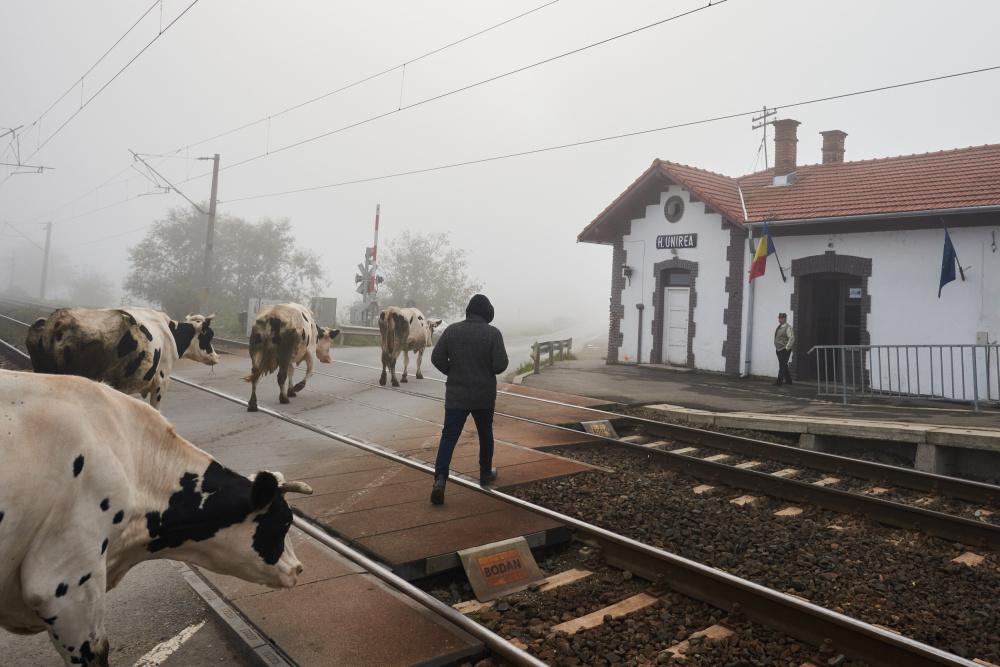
(92, 482)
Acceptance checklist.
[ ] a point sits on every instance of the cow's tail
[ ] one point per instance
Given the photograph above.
(395, 329)
(263, 351)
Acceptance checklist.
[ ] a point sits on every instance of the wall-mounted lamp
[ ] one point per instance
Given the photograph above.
(627, 273)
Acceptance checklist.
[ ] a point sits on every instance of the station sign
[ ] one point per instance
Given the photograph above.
(670, 241)
(500, 568)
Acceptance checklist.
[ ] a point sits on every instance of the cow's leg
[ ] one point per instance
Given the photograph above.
(71, 605)
(282, 376)
(292, 389)
(420, 357)
(385, 364)
(309, 371)
(157, 391)
(406, 363)
(252, 405)
(392, 367)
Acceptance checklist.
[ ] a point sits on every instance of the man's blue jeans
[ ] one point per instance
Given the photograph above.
(454, 420)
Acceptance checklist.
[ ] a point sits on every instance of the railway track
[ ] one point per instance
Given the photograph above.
(674, 576)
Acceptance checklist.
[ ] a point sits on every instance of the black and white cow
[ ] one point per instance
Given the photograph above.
(93, 482)
(403, 330)
(131, 349)
(283, 336)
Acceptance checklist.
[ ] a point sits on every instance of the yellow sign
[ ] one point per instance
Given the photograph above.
(602, 428)
(502, 568)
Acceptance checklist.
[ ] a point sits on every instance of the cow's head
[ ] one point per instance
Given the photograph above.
(323, 341)
(231, 524)
(200, 348)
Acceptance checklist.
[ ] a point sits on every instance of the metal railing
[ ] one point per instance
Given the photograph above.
(550, 346)
(965, 373)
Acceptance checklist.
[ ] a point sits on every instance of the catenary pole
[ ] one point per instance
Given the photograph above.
(45, 259)
(206, 277)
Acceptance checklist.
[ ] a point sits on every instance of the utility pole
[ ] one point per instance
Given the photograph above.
(206, 276)
(764, 123)
(45, 260)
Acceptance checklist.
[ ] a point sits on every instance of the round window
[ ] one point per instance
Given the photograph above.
(674, 208)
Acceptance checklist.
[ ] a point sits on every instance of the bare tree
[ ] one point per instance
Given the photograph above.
(424, 269)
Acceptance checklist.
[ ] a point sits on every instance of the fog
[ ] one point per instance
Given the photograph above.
(511, 168)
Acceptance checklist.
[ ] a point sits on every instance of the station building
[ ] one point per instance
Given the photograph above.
(859, 244)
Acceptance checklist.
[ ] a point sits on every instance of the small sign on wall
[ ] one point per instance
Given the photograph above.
(668, 241)
(854, 292)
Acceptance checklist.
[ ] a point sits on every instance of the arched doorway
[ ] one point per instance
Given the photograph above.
(831, 304)
(673, 321)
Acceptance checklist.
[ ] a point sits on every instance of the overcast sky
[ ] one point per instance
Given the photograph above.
(255, 82)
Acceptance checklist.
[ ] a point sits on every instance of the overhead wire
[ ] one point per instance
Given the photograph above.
(362, 80)
(83, 105)
(585, 142)
(99, 60)
(173, 153)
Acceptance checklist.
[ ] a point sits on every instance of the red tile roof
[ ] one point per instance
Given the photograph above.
(964, 177)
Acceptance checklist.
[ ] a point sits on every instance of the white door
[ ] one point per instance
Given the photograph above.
(675, 324)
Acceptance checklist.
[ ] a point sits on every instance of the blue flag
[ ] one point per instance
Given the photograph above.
(947, 261)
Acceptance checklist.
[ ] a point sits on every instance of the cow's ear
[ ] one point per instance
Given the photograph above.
(264, 490)
(39, 323)
(334, 333)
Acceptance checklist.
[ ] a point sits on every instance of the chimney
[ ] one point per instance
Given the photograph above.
(784, 146)
(833, 146)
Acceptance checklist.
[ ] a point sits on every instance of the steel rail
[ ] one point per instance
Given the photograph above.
(797, 618)
(954, 487)
(492, 641)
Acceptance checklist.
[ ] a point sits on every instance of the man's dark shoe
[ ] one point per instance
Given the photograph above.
(777, 383)
(437, 493)
(487, 477)
(788, 381)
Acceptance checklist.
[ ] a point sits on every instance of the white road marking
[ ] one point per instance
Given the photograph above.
(163, 650)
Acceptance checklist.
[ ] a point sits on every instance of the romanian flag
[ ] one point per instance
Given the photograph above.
(765, 247)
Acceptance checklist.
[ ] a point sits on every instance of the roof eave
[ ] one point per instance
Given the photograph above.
(753, 224)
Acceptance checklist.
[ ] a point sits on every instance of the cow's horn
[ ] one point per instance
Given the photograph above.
(295, 487)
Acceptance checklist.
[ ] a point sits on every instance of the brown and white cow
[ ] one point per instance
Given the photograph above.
(403, 330)
(131, 349)
(283, 336)
(93, 482)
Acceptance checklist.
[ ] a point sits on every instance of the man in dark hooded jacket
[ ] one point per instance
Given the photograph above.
(471, 354)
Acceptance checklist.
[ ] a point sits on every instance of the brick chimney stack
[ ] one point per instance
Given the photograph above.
(833, 146)
(784, 146)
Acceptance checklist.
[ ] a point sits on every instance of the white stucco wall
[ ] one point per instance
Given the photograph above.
(710, 283)
(906, 270)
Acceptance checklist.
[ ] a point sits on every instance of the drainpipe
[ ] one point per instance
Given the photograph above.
(749, 329)
(638, 353)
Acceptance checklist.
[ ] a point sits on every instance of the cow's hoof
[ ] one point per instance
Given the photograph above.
(403, 379)
(292, 393)
(252, 407)
(419, 376)
(381, 381)
(396, 384)
(299, 386)
(283, 399)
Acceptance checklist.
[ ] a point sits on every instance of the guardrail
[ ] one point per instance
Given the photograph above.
(348, 330)
(550, 346)
(964, 373)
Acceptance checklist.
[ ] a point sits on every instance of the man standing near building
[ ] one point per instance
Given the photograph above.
(783, 340)
(471, 354)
